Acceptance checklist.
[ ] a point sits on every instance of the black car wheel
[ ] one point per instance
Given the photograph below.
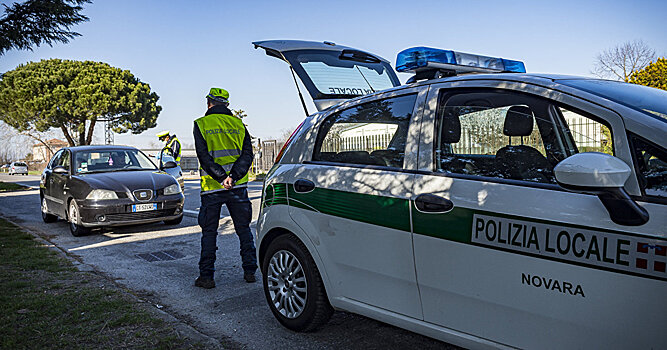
(46, 217)
(293, 286)
(75, 220)
(174, 221)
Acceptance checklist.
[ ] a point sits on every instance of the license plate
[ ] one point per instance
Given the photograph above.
(144, 207)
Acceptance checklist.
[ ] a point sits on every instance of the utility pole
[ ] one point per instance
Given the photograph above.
(108, 133)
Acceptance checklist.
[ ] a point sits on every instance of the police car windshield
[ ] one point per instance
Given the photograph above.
(342, 74)
(645, 99)
(111, 160)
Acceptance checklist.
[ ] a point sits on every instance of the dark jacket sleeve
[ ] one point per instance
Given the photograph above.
(242, 164)
(176, 148)
(206, 161)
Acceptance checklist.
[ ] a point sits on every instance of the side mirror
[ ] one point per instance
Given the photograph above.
(169, 164)
(604, 176)
(60, 170)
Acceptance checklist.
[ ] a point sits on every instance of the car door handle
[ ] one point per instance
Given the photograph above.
(303, 186)
(430, 203)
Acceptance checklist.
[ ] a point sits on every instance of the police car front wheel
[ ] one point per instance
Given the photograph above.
(293, 286)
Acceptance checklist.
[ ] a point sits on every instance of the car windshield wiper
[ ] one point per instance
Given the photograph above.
(130, 169)
(113, 170)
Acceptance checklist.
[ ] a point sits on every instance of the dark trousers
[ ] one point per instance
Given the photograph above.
(240, 209)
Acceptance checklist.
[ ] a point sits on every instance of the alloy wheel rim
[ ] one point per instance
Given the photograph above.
(73, 215)
(287, 284)
(44, 207)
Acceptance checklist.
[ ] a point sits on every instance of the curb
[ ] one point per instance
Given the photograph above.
(26, 185)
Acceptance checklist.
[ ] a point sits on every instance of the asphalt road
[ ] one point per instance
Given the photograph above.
(235, 313)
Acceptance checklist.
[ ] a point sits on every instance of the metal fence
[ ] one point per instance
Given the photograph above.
(367, 143)
(487, 138)
(189, 163)
(590, 136)
(266, 155)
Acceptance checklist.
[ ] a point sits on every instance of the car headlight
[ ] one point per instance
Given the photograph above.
(101, 194)
(172, 189)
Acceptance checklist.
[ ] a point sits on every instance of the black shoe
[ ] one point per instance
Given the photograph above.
(249, 277)
(204, 282)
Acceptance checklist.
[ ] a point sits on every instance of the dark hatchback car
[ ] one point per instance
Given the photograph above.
(98, 186)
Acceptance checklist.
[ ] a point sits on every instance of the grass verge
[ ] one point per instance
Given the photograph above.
(10, 186)
(48, 304)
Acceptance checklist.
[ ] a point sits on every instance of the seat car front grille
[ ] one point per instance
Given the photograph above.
(143, 195)
(139, 216)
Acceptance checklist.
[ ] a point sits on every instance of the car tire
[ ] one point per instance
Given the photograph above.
(293, 285)
(174, 221)
(46, 217)
(74, 220)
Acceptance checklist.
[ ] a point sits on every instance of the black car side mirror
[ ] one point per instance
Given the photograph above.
(169, 164)
(60, 170)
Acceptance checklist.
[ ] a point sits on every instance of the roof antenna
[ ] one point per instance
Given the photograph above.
(303, 103)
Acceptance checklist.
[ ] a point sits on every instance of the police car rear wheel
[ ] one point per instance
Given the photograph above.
(293, 286)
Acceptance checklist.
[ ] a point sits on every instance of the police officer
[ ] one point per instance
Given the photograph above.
(172, 144)
(224, 150)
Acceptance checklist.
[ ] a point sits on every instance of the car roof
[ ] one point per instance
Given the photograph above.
(500, 76)
(101, 148)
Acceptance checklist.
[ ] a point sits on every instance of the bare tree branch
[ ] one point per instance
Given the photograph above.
(621, 61)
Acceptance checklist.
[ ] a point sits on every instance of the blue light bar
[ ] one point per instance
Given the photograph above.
(420, 58)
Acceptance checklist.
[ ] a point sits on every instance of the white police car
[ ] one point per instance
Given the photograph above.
(485, 210)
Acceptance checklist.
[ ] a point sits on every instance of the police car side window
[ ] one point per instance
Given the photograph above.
(372, 133)
(496, 134)
(588, 135)
(651, 162)
(509, 135)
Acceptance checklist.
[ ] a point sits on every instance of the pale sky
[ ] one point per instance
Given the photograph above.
(182, 48)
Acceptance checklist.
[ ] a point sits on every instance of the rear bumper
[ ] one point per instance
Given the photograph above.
(120, 214)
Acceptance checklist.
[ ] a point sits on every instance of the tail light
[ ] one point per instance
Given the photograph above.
(282, 150)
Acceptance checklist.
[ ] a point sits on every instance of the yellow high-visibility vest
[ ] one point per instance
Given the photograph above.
(224, 137)
(177, 157)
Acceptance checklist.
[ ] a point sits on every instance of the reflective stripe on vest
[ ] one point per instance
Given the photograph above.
(224, 153)
(224, 137)
(177, 157)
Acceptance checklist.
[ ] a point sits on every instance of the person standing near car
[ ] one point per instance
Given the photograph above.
(172, 144)
(224, 150)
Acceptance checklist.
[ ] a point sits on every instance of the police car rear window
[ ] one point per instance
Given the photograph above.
(335, 75)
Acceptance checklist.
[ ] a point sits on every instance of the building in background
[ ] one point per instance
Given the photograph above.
(42, 153)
